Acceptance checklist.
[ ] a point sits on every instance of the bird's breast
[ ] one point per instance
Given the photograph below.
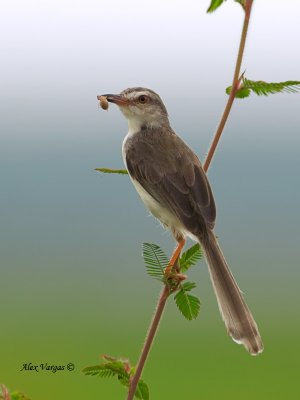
(165, 216)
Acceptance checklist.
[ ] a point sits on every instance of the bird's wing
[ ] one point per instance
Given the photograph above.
(172, 174)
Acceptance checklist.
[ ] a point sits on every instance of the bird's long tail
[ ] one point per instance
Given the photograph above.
(238, 319)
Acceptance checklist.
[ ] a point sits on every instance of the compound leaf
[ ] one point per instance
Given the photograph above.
(121, 370)
(155, 260)
(187, 304)
(262, 88)
(190, 257)
(109, 369)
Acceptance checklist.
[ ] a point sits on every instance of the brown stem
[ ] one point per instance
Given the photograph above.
(165, 292)
(234, 88)
(151, 333)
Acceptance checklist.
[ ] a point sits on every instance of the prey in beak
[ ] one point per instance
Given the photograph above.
(112, 98)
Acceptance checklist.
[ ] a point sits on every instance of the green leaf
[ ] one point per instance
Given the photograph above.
(241, 93)
(121, 370)
(214, 5)
(112, 171)
(188, 286)
(18, 396)
(262, 88)
(109, 369)
(217, 3)
(142, 391)
(155, 260)
(187, 304)
(190, 257)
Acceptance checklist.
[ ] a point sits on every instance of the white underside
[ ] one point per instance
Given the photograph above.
(162, 214)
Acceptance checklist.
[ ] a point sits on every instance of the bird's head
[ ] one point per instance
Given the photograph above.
(142, 107)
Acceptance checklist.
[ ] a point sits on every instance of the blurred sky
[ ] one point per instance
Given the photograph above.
(70, 238)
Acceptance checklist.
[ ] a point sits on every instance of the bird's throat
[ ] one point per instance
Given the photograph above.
(135, 124)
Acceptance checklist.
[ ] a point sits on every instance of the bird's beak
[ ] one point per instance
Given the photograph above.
(115, 98)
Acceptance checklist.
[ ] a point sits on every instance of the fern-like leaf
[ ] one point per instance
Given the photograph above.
(188, 286)
(187, 304)
(121, 370)
(112, 171)
(155, 260)
(109, 369)
(262, 88)
(190, 257)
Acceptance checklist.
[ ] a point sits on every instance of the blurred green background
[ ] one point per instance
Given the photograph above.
(73, 285)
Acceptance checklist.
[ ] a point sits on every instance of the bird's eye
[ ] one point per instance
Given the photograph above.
(143, 99)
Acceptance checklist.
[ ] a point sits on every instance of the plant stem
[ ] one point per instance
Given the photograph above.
(165, 292)
(234, 88)
(149, 340)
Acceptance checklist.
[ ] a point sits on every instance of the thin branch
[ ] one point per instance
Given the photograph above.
(165, 292)
(149, 340)
(235, 86)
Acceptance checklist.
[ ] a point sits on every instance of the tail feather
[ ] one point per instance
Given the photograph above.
(238, 319)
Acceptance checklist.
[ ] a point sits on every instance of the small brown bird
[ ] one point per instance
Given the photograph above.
(170, 180)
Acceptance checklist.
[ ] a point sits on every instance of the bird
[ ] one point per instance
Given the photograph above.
(171, 182)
